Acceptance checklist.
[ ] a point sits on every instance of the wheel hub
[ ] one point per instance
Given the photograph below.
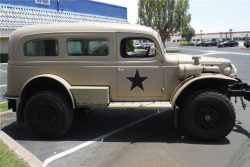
(46, 116)
(207, 117)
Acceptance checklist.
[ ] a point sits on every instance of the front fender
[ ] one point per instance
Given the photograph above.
(184, 84)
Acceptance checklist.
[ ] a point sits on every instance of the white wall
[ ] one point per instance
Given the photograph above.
(216, 36)
(4, 45)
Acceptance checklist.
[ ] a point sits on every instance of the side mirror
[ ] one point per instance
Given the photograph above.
(152, 49)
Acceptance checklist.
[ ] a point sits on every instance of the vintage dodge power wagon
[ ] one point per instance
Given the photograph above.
(56, 69)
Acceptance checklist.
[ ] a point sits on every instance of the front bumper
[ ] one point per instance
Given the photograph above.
(240, 89)
(13, 102)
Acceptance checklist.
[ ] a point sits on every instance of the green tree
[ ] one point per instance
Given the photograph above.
(188, 33)
(130, 46)
(165, 16)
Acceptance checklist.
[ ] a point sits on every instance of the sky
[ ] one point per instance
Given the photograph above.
(210, 16)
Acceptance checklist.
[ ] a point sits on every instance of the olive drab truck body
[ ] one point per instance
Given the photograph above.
(56, 69)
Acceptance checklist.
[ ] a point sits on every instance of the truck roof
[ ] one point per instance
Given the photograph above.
(81, 27)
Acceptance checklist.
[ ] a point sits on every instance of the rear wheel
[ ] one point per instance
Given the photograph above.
(207, 115)
(48, 114)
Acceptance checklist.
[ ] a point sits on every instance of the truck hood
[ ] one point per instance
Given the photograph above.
(189, 65)
(187, 59)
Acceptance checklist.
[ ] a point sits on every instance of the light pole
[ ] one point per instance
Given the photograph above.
(230, 30)
(201, 34)
(58, 1)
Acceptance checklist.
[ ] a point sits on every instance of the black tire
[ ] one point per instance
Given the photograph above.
(247, 46)
(48, 114)
(207, 115)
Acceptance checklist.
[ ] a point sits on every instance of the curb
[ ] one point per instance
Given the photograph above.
(5, 113)
(3, 102)
(20, 150)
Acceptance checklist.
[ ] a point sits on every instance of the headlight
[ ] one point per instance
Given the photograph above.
(234, 73)
(227, 71)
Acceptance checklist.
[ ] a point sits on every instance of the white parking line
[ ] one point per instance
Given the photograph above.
(2, 86)
(212, 52)
(216, 52)
(100, 138)
(3, 71)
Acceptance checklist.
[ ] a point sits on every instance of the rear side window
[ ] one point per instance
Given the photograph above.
(88, 47)
(46, 47)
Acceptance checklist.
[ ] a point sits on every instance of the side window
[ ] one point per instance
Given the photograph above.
(88, 47)
(43, 47)
(137, 48)
(75, 47)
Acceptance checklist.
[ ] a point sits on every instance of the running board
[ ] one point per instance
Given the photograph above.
(140, 105)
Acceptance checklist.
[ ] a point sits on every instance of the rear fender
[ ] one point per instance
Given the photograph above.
(66, 85)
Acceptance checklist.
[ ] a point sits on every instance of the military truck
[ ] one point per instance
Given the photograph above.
(56, 69)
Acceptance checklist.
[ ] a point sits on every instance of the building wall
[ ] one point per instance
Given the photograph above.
(215, 36)
(77, 6)
(4, 45)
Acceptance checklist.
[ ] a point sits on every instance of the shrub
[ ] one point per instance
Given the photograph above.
(4, 58)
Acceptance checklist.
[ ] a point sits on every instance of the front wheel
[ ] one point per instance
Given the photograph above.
(207, 115)
(48, 114)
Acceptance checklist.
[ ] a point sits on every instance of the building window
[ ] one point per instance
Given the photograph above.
(45, 47)
(88, 47)
(137, 48)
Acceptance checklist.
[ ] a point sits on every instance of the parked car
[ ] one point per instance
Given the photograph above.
(198, 43)
(247, 43)
(210, 43)
(192, 43)
(146, 46)
(228, 43)
(219, 42)
(203, 42)
(138, 45)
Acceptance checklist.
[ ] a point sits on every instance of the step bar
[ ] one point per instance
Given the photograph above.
(140, 105)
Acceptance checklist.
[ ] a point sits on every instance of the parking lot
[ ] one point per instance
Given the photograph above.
(141, 137)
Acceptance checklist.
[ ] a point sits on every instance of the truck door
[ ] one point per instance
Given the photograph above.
(139, 67)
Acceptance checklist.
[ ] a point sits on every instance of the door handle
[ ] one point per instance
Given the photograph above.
(120, 69)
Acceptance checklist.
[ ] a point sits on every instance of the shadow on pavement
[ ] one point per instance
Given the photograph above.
(159, 128)
(241, 130)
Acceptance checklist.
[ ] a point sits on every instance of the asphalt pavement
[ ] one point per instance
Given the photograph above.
(146, 138)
